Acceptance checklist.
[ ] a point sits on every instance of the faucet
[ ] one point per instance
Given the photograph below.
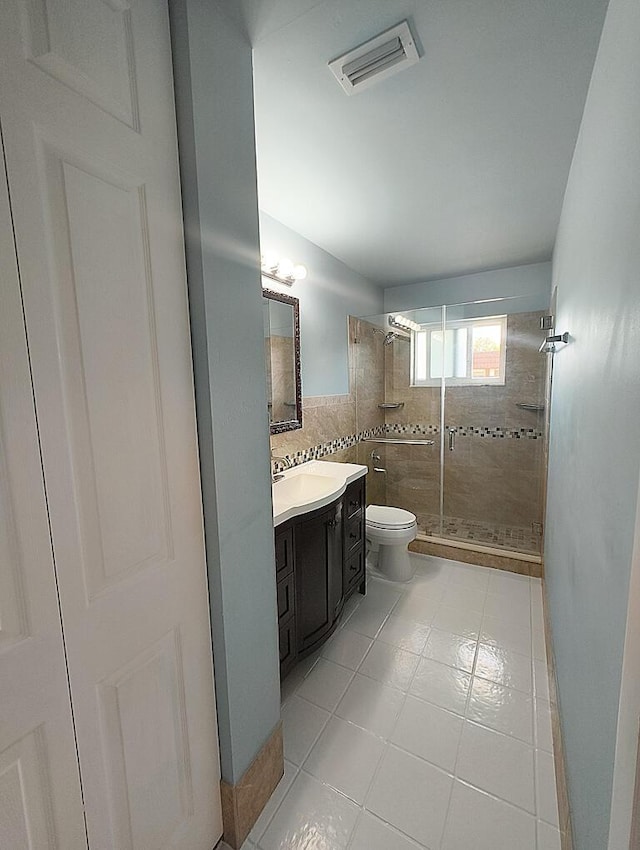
(278, 476)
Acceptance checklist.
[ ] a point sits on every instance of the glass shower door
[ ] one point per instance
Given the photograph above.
(493, 453)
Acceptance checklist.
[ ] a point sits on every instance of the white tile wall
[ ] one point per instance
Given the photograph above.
(407, 733)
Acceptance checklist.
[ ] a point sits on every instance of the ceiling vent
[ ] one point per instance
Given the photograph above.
(380, 57)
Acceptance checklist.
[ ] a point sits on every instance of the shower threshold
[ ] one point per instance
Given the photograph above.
(519, 543)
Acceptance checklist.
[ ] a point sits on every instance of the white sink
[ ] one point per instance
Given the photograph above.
(305, 487)
(310, 486)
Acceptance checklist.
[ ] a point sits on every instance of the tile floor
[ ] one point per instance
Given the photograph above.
(515, 538)
(424, 722)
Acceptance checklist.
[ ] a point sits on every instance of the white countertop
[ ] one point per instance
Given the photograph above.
(310, 486)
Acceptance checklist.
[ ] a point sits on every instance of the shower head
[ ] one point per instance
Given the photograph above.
(390, 337)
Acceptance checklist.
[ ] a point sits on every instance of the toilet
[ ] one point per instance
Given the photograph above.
(389, 532)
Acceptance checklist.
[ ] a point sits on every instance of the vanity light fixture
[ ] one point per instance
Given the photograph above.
(281, 269)
(403, 323)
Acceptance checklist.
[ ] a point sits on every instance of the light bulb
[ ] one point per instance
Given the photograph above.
(285, 267)
(269, 260)
(299, 272)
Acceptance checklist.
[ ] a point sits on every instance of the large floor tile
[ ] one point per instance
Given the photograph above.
(512, 635)
(539, 647)
(325, 684)
(461, 596)
(514, 587)
(445, 686)
(504, 667)
(412, 795)
(366, 620)
(290, 773)
(454, 650)
(373, 834)
(345, 757)
(311, 815)
(477, 821)
(502, 709)
(302, 722)
(390, 664)
(547, 798)
(540, 679)
(543, 726)
(381, 594)
(548, 837)
(502, 607)
(371, 705)
(460, 621)
(417, 609)
(468, 575)
(347, 648)
(497, 763)
(404, 634)
(428, 731)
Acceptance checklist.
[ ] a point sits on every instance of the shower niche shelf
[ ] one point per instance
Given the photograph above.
(523, 406)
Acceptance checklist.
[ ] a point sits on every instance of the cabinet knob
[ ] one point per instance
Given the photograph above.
(332, 523)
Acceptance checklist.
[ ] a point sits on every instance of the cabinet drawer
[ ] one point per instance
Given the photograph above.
(354, 498)
(286, 597)
(353, 570)
(353, 533)
(284, 552)
(287, 641)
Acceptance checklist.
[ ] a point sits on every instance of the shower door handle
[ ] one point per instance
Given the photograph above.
(452, 439)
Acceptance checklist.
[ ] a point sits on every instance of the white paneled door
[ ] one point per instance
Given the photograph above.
(86, 101)
(40, 800)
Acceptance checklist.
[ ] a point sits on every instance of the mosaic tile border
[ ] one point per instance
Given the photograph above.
(467, 431)
(323, 449)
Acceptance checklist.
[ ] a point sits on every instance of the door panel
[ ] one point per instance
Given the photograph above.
(40, 799)
(92, 165)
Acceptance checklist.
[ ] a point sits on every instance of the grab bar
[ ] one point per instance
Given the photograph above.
(400, 442)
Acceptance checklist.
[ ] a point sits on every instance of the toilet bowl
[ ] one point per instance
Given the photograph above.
(389, 531)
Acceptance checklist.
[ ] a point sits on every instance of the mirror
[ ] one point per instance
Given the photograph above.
(282, 356)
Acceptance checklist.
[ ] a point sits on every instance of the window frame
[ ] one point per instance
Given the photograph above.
(468, 380)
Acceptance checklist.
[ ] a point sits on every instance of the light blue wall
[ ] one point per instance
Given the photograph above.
(532, 283)
(329, 294)
(214, 91)
(595, 421)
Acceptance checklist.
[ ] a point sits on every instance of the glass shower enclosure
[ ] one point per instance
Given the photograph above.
(450, 405)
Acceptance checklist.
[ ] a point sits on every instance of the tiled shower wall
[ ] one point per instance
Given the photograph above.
(495, 473)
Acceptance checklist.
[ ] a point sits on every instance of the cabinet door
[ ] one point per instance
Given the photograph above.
(86, 98)
(315, 557)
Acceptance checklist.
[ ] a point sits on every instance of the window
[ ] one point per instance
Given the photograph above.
(468, 352)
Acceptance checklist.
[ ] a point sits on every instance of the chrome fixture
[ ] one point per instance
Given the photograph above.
(375, 458)
(391, 405)
(452, 439)
(393, 442)
(548, 345)
(399, 321)
(546, 323)
(281, 269)
(288, 463)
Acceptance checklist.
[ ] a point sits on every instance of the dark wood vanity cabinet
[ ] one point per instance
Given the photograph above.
(320, 562)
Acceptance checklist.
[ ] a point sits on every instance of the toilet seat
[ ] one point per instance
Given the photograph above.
(381, 516)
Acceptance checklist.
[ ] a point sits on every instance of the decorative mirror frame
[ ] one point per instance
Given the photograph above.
(290, 424)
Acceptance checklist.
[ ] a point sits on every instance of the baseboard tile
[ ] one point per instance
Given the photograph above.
(242, 803)
(472, 556)
(564, 811)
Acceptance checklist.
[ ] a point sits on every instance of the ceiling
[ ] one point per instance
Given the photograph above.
(457, 164)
